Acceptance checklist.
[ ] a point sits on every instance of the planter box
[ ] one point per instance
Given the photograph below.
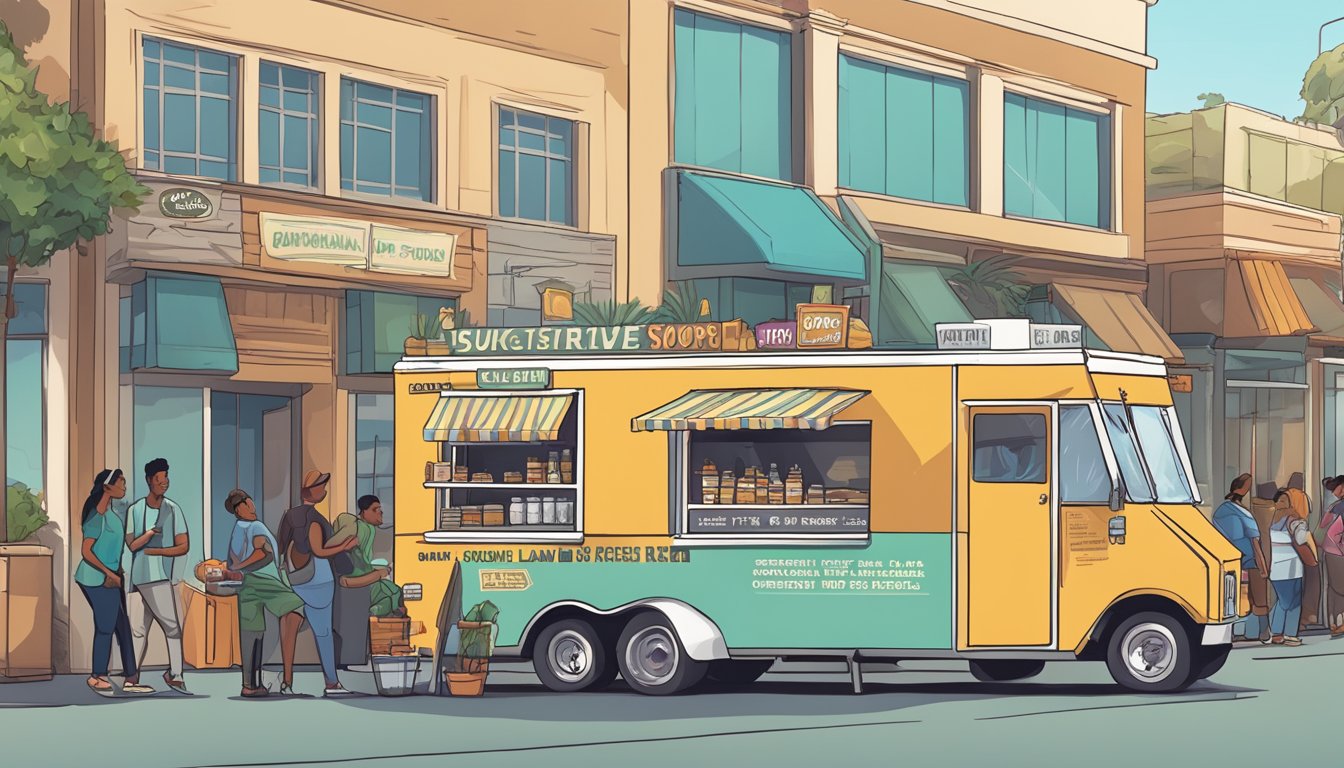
(25, 613)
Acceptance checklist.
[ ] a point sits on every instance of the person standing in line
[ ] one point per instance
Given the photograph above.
(157, 536)
(1332, 546)
(99, 577)
(308, 564)
(1287, 532)
(252, 560)
(366, 590)
(1238, 526)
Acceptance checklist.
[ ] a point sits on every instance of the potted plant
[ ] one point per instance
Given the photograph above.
(478, 630)
(422, 327)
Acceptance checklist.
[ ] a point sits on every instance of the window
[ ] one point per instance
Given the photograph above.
(288, 131)
(1083, 475)
(1009, 448)
(1132, 473)
(1158, 441)
(377, 324)
(735, 477)
(1056, 162)
(733, 108)
(751, 299)
(386, 144)
(25, 401)
(536, 167)
(904, 133)
(191, 117)
(373, 458)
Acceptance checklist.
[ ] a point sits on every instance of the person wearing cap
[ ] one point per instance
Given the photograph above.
(312, 567)
(366, 590)
(252, 560)
(1332, 544)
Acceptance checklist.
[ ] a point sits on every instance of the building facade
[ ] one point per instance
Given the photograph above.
(1243, 242)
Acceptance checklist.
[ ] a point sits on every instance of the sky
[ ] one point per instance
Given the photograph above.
(1254, 52)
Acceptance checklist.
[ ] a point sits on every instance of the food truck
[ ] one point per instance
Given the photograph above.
(1008, 499)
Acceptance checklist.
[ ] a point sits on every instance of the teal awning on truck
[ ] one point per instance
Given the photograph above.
(769, 229)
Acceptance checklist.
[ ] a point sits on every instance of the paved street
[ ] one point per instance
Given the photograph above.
(930, 714)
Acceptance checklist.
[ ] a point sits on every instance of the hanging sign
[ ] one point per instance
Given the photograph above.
(328, 241)
(550, 341)
(1183, 383)
(822, 326)
(183, 203)
(777, 334)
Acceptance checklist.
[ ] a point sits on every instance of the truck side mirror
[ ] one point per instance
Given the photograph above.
(1117, 499)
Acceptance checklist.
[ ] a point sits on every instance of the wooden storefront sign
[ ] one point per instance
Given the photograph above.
(822, 326)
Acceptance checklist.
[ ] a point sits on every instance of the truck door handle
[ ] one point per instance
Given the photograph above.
(1045, 498)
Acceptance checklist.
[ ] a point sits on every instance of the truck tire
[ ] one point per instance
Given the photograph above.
(1152, 652)
(1002, 670)
(653, 661)
(570, 656)
(1212, 659)
(732, 672)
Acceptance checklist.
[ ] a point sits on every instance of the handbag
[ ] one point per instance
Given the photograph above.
(301, 575)
(1306, 551)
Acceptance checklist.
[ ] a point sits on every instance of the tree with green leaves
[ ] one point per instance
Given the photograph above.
(1323, 88)
(1211, 99)
(59, 184)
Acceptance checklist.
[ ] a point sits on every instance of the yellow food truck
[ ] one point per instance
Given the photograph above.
(672, 517)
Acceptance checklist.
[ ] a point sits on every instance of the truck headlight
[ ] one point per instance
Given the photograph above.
(1231, 594)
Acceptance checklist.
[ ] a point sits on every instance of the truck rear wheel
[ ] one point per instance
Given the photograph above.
(1151, 652)
(570, 656)
(999, 670)
(653, 660)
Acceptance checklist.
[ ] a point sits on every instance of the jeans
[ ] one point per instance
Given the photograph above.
(109, 618)
(1287, 612)
(317, 596)
(156, 603)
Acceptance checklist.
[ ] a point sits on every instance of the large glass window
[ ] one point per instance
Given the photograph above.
(1009, 448)
(190, 117)
(386, 141)
(25, 404)
(288, 131)
(1265, 433)
(373, 458)
(734, 478)
(536, 167)
(904, 133)
(753, 300)
(377, 324)
(1056, 162)
(170, 422)
(1083, 475)
(733, 107)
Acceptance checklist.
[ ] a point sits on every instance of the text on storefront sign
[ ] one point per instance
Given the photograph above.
(513, 378)
(350, 243)
(822, 326)
(182, 203)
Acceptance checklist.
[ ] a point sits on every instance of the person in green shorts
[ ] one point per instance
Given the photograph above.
(384, 594)
(252, 551)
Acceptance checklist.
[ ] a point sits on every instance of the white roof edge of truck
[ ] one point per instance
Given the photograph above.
(1097, 361)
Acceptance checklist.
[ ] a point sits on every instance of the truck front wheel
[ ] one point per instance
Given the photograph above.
(1151, 652)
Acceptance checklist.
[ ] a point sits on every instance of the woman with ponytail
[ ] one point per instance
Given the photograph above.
(99, 578)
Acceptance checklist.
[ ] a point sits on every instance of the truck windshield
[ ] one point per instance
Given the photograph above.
(1151, 442)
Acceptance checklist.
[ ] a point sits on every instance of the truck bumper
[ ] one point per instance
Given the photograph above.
(1217, 634)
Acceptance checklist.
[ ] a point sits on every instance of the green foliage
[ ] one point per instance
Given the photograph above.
(424, 327)
(463, 317)
(990, 288)
(1323, 88)
(1211, 99)
(59, 183)
(608, 313)
(680, 305)
(478, 643)
(26, 515)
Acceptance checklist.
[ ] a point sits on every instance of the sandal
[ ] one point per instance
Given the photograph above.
(176, 684)
(100, 685)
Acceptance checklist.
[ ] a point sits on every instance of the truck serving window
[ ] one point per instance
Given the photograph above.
(778, 481)
(1083, 476)
(1009, 448)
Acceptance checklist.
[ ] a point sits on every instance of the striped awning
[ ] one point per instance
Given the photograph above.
(1275, 309)
(504, 419)
(749, 409)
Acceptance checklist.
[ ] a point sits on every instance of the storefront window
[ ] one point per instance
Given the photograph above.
(1056, 162)
(1332, 425)
(752, 300)
(1083, 476)
(770, 481)
(25, 402)
(169, 422)
(1266, 435)
(377, 324)
(373, 464)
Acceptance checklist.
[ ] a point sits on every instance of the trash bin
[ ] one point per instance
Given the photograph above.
(25, 612)
(395, 675)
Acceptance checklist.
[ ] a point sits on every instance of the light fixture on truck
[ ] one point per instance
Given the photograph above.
(1009, 333)
(1231, 593)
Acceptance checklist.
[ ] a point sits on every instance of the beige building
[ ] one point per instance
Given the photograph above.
(323, 171)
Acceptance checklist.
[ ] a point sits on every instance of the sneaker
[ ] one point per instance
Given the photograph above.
(255, 693)
(136, 688)
(338, 690)
(1292, 641)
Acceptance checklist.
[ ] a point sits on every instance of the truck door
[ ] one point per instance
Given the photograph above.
(1011, 502)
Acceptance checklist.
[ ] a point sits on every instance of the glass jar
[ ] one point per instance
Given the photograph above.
(517, 511)
(548, 510)
(533, 510)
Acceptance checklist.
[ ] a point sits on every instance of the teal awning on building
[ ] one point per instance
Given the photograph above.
(911, 299)
(764, 229)
(178, 323)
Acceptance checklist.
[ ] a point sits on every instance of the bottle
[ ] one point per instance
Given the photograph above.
(553, 467)
(517, 511)
(566, 467)
(775, 489)
(793, 486)
(709, 483)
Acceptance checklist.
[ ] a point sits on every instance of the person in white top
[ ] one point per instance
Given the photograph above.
(1287, 532)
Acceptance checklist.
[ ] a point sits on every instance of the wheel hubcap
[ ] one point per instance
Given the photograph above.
(1150, 652)
(570, 656)
(652, 656)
